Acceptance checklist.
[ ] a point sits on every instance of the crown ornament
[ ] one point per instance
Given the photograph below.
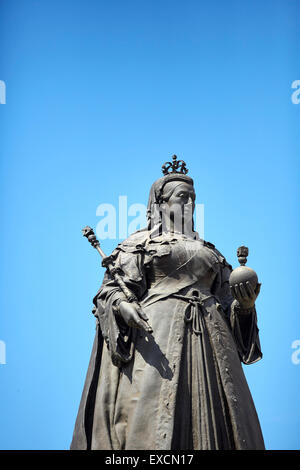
(176, 166)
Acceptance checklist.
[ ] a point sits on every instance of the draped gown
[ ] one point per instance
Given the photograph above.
(182, 386)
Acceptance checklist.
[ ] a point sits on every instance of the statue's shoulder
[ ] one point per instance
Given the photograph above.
(135, 242)
(209, 245)
(218, 254)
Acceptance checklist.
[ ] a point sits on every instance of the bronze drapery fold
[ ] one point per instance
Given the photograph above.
(182, 387)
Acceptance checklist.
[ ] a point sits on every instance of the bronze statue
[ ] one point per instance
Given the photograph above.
(165, 370)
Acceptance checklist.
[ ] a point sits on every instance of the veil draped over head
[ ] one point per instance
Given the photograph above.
(156, 198)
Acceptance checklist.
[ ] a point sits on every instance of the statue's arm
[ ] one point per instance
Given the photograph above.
(118, 334)
(239, 306)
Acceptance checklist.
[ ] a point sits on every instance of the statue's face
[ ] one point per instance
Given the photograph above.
(183, 194)
(178, 206)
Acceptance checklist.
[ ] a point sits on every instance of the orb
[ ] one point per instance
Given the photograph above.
(243, 274)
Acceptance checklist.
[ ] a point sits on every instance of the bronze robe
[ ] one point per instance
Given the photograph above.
(181, 387)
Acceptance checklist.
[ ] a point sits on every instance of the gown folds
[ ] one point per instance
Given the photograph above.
(181, 387)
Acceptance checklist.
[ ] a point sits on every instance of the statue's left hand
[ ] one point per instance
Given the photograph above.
(245, 294)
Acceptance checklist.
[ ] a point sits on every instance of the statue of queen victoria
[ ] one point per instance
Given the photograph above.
(165, 370)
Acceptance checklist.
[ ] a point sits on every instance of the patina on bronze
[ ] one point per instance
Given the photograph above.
(179, 384)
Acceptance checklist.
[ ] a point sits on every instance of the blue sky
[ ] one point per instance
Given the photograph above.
(98, 96)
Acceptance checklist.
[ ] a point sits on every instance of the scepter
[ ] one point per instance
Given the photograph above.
(107, 262)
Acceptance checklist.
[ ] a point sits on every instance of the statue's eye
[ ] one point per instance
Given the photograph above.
(186, 195)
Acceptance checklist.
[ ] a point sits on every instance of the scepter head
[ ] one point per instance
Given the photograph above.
(88, 232)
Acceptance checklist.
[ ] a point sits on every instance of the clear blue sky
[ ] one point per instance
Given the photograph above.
(99, 94)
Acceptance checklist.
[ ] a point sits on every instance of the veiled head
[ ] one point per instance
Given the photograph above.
(172, 198)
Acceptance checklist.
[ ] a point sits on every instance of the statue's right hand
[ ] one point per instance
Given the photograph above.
(133, 316)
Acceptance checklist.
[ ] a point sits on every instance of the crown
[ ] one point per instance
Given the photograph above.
(177, 166)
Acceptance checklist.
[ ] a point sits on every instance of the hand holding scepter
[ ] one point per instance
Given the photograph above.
(130, 310)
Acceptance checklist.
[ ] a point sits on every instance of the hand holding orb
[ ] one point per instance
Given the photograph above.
(243, 281)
